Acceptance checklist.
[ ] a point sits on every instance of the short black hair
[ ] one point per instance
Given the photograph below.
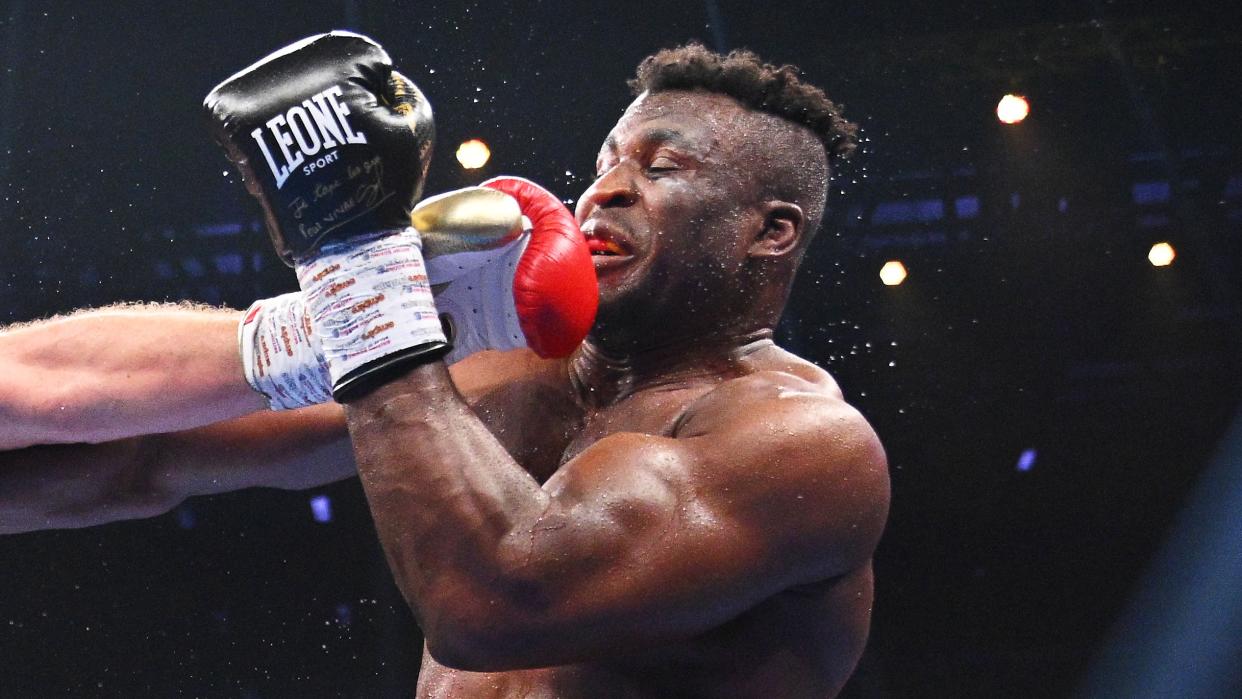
(745, 77)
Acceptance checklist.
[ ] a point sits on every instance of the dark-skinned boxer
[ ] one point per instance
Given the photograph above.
(680, 508)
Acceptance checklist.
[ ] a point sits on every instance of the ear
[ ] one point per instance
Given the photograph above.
(783, 224)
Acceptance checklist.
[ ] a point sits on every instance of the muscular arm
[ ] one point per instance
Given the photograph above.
(639, 540)
(120, 372)
(81, 485)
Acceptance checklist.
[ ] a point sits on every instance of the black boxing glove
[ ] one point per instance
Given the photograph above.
(331, 141)
(335, 145)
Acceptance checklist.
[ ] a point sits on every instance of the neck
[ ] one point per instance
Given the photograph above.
(602, 375)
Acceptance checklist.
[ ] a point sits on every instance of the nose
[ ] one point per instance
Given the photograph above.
(615, 188)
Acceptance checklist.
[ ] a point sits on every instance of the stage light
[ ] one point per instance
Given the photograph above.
(1161, 255)
(1026, 460)
(473, 154)
(1012, 109)
(893, 273)
(321, 508)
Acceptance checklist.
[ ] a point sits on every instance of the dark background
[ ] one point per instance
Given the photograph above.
(1031, 318)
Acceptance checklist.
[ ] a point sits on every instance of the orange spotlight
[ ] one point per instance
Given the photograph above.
(1012, 109)
(893, 273)
(473, 154)
(1161, 255)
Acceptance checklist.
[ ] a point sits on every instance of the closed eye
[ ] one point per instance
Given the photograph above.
(663, 164)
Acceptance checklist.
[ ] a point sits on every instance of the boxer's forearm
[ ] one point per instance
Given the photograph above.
(76, 485)
(120, 372)
(81, 485)
(447, 499)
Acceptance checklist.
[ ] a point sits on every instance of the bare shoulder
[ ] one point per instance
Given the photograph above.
(778, 384)
(822, 462)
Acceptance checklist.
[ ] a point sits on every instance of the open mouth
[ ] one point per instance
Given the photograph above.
(605, 248)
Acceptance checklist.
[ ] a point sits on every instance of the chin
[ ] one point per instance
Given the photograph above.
(612, 298)
(618, 291)
(621, 309)
(615, 309)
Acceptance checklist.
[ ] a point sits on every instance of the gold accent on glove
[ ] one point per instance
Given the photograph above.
(464, 220)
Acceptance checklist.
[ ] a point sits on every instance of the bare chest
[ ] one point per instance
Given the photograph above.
(654, 412)
(802, 643)
(544, 428)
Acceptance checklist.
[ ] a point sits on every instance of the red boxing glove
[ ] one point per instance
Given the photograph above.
(554, 287)
(537, 290)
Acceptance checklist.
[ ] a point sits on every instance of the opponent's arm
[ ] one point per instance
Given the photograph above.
(131, 370)
(82, 485)
(639, 540)
(118, 372)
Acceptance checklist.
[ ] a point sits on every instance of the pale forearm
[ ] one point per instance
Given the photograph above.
(119, 372)
(76, 485)
(81, 485)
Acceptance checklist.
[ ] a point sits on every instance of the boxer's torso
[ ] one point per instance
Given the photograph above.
(802, 642)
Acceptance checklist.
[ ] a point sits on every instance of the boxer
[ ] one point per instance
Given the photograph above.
(678, 508)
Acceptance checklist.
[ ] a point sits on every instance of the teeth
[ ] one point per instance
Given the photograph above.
(606, 247)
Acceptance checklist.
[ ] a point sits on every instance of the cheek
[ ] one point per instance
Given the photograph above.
(719, 232)
(707, 257)
(694, 207)
(697, 225)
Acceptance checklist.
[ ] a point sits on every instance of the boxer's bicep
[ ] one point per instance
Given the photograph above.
(653, 539)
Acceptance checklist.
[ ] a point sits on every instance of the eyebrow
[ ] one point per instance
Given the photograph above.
(657, 135)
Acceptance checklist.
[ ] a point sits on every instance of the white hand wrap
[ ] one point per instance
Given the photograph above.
(280, 355)
(368, 298)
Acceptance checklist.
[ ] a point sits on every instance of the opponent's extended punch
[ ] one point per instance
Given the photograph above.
(334, 144)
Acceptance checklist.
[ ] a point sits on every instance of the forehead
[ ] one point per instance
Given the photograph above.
(698, 120)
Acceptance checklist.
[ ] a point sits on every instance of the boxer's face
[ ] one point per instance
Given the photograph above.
(672, 212)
